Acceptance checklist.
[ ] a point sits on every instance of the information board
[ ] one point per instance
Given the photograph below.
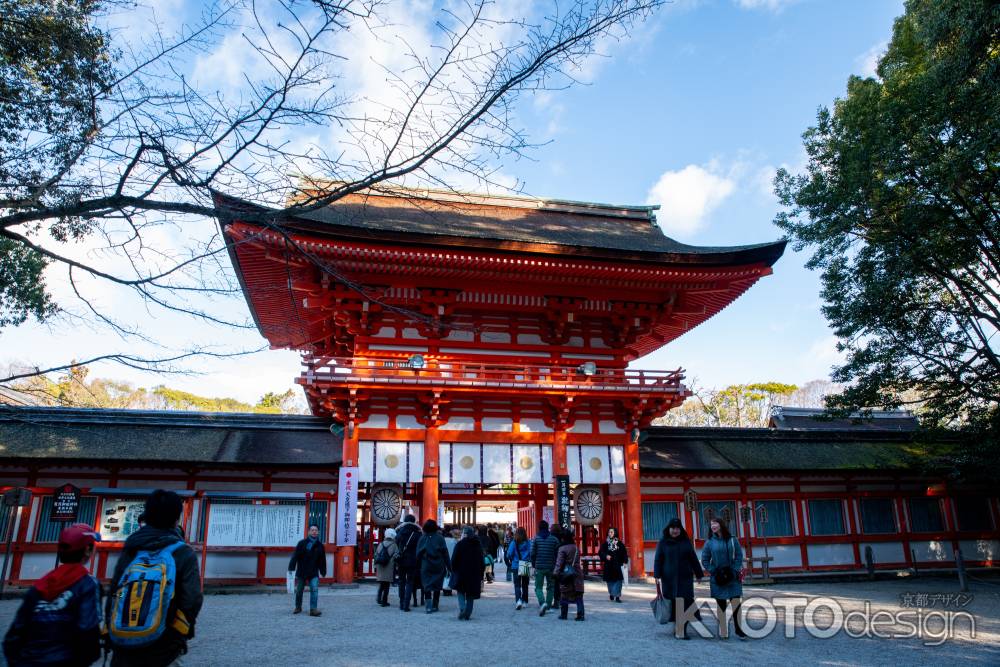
(120, 518)
(232, 525)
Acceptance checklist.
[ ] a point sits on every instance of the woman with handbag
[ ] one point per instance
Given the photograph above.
(570, 576)
(519, 557)
(722, 557)
(613, 557)
(675, 566)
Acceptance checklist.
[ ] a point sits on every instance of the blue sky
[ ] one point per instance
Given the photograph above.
(694, 112)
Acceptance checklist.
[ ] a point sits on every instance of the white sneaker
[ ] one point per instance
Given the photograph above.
(542, 608)
(518, 605)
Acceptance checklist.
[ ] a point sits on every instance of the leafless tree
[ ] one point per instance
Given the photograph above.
(250, 100)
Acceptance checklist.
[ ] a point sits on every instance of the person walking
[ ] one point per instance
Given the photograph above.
(543, 559)
(385, 566)
(675, 565)
(467, 567)
(407, 537)
(489, 553)
(722, 557)
(613, 557)
(432, 555)
(570, 575)
(308, 562)
(158, 540)
(508, 537)
(451, 537)
(59, 620)
(519, 556)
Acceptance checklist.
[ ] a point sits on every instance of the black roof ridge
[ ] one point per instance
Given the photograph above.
(744, 433)
(172, 418)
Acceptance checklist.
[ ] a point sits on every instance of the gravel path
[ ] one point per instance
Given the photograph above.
(259, 629)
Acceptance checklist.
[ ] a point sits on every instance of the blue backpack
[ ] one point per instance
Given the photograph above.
(142, 598)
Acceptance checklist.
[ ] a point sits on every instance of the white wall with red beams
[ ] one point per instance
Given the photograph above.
(30, 559)
(802, 552)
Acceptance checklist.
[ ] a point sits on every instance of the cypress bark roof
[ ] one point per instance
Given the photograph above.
(70, 434)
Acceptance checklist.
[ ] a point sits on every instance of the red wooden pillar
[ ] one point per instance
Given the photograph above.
(633, 508)
(429, 491)
(541, 499)
(344, 566)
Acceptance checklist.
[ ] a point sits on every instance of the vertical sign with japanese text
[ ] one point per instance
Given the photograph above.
(347, 508)
(562, 500)
(65, 503)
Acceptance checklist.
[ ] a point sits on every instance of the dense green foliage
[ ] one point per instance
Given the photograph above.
(900, 207)
(74, 389)
(53, 65)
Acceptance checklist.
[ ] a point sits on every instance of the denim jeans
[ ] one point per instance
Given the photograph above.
(300, 584)
(615, 588)
(465, 604)
(545, 581)
(564, 605)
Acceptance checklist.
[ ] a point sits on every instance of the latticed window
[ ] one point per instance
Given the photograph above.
(925, 515)
(725, 509)
(877, 515)
(655, 517)
(826, 517)
(779, 519)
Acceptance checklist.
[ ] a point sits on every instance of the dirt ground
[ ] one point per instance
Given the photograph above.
(259, 629)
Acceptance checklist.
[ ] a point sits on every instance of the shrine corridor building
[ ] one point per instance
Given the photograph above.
(465, 350)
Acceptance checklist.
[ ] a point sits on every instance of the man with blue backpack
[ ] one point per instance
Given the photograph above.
(156, 594)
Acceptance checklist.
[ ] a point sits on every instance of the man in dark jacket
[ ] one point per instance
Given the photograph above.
(543, 559)
(59, 621)
(407, 538)
(309, 564)
(163, 514)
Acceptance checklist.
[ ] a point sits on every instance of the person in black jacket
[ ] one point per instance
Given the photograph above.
(467, 566)
(59, 621)
(309, 564)
(674, 564)
(407, 538)
(163, 514)
(613, 556)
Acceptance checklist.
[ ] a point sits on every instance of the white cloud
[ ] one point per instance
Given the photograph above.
(767, 5)
(688, 196)
(867, 62)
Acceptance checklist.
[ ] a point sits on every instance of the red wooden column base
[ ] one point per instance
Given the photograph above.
(633, 512)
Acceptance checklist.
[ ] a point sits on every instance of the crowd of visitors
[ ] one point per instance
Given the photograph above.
(149, 613)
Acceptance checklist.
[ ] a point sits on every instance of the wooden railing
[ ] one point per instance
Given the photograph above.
(392, 371)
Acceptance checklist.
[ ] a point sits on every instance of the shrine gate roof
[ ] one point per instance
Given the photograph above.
(509, 223)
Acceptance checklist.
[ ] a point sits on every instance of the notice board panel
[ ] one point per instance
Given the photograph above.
(232, 525)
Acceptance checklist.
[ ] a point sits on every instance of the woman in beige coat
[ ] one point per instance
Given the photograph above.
(385, 566)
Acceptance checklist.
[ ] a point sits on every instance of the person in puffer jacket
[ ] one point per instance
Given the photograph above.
(59, 621)
(543, 559)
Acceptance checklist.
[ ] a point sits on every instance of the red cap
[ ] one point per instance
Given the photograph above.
(78, 536)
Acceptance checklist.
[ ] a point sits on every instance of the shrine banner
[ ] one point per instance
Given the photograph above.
(562, 500)
(347, 508)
